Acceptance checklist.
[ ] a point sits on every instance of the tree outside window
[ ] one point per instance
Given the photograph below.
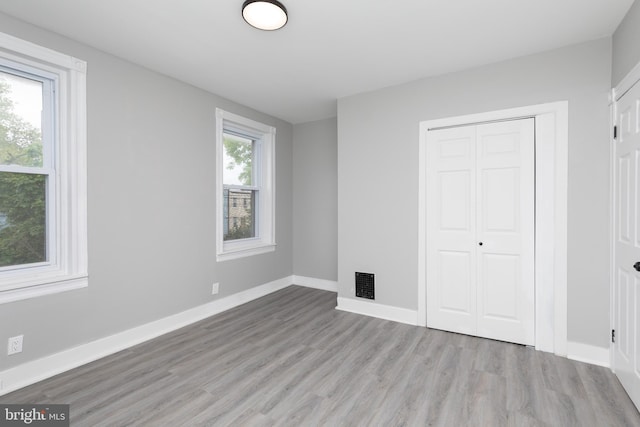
(23, 192)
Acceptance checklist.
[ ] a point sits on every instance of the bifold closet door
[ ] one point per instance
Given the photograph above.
(480, 230)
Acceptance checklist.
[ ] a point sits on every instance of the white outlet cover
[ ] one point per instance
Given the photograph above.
(15, 345)
(215, 288)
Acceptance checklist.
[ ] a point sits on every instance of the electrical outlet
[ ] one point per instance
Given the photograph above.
(15, 345)
(215, 288)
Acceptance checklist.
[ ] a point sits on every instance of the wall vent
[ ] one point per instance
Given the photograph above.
(365, 285)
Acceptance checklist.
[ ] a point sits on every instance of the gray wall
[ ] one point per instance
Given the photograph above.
(315, 210)
(378, 172)
(151, 151)
(626, 44)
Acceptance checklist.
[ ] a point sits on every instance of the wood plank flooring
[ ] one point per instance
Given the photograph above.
(290, 359)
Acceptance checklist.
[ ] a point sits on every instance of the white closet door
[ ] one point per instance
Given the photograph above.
(627, 244)
(480, 230)
(451, 230)
(505, 228)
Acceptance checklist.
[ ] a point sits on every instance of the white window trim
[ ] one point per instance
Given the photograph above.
(69, 268)
(266, 227)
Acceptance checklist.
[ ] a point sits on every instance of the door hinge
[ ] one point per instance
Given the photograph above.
(615, 132)
(613, 335)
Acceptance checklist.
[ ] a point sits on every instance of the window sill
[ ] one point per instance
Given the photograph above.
(35, 291)
(245, 252)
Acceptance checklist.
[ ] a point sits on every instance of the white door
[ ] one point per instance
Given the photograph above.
(451, 230)
(480, 230)
(627, 244)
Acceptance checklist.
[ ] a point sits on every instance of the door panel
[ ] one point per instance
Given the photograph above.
(500, 200)
(505, 221)
(636, 364)
(455, 279)
(636, 197)
(624, 303)
(454, 190)
(624, 198)
(451, 224)
(480, 235)
(500, 297)
(627, 244)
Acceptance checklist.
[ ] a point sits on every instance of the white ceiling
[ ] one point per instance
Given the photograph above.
(329, 48)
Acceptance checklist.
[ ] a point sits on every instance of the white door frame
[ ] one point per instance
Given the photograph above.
(616, 93)
(552, 142)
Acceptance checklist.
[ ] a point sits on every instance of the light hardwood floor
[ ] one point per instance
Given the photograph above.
(290, 359)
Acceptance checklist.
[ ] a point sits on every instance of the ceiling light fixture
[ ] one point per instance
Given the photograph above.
(266, 15)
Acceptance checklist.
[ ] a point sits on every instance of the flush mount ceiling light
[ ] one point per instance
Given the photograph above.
(266, 15)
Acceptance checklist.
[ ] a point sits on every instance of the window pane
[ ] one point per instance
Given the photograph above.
(20, 121)
(239, 214)
(238, 160)
(22, 218)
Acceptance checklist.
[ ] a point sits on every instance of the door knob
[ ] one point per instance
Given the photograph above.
(637, 266)
(480, 244)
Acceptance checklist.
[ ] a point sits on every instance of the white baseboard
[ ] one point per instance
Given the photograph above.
(312, 282)
(381, 311)
(32, 372)
(588, 354)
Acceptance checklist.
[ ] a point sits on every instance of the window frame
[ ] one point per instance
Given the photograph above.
(48, 167)
(66, 266)
(263, 166)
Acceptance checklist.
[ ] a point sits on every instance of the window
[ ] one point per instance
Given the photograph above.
(245, 186)
(42, 171)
